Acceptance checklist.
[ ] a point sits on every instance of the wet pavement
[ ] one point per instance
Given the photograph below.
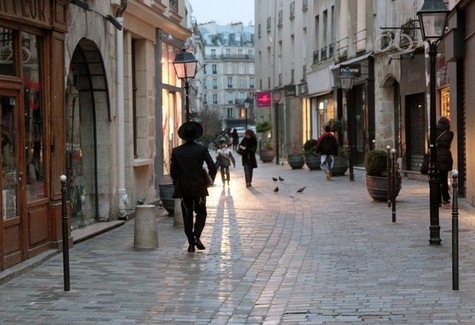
(328, 255)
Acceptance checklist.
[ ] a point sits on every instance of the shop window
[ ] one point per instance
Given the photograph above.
(32, 55)
(7, 56)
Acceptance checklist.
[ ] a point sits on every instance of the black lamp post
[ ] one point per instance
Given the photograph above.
(276, 98)
(433, 19)
(246, 107)
(185, 68)
(347, 81)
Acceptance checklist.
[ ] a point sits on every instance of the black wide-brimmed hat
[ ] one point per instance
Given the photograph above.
(190, 131)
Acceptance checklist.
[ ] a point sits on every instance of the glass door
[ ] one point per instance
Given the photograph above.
(11, 180)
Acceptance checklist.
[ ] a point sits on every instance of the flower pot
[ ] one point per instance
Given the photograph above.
(378, 187)
(166, 196)
(340, 166)
(312, 161)
(266, 155)
(295, 161)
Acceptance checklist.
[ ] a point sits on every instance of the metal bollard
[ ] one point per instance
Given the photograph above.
(393, 184)
(64, 218)
(455, 231)
(388, 169)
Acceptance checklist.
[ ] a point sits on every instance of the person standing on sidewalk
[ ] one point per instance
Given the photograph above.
(224, 158)
(248, 147)
(327, 146)
(444, 158)
(235, 137)
(189, 178)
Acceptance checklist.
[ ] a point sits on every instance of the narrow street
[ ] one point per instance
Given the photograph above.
(328, 255)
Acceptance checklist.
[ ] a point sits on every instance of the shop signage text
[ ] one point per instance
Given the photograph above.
(33, 10)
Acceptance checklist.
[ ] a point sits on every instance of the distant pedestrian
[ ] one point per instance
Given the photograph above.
(235, 137)
(444, 158)
(327, 146)
(186, 169)
(224, 158)
(248, 146)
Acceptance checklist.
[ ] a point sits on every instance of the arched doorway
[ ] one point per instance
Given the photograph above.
(87, 136)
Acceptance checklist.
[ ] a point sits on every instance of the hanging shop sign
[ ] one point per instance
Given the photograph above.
(263, 99)
(38, 12)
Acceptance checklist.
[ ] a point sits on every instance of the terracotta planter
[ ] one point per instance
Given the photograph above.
(166, 193)
(295, 161)
(267, 155)
(378, 187)
(340, 166)
(312, 161)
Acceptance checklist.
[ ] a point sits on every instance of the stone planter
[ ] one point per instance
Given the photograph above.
(378, 187)
(295, 161)
(267, 155)
(166, 193)
(312, 161)
(340, 166)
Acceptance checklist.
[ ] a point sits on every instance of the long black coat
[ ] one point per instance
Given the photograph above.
(444, 156)
(249, 155)
(186, 169)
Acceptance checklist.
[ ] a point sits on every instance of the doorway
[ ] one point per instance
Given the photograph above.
(87, 137)
(416, 138)
(12, 180)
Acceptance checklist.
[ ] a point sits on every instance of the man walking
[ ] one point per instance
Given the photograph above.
(327, 146)
(190, 180)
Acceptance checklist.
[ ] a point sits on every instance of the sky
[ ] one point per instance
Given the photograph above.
(223, 11)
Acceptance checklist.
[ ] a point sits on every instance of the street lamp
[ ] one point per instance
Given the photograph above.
(276, 98)
(185, 68)
(347, 80)
(433, 19)
(246, 106)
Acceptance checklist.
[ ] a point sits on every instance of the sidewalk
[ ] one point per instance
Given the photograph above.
(328, 255)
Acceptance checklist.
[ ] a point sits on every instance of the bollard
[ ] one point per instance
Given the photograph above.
(146, 234)
(64, 219)
(388, 169)
(393, 184)
(455, 231)
(178, 214)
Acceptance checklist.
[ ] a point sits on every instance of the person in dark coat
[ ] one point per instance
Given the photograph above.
(444, 158)
(327, 146)
(189, 178)
(235, 137)
(249, 146)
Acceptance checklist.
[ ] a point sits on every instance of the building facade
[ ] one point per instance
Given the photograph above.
(227, 74)
(102, 104)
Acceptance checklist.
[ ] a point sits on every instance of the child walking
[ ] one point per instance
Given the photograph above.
(224, 158)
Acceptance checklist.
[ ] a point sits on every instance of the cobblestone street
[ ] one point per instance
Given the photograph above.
(328, 255)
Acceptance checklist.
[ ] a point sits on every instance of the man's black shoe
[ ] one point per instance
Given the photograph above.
(199, 244)
(191, 248)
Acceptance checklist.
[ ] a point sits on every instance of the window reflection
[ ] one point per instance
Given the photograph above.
(34, 116)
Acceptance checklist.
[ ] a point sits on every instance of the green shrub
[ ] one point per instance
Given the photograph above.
(375, 163)
(309, 147)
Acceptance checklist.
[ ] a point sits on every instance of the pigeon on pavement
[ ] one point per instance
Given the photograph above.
(280, 178)
(274, 179)
(300, 190)
(276, 189)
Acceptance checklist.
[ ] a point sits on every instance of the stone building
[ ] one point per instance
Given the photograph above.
(102, 104)
(227, 73)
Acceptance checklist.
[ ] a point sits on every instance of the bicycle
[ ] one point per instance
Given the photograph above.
(398, 40)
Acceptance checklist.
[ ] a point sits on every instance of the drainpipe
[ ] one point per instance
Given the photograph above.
(123, 199)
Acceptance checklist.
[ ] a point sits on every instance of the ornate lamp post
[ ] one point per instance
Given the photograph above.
(246, 107)
(433, 19)
(276, 98)
(185, 68)
(347, 81)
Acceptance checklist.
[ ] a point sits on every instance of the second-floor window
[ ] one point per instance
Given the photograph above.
(214, 67)
(230, 82)
(215, 83)
(215, 98)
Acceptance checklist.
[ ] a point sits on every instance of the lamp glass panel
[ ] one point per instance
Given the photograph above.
(433, 25)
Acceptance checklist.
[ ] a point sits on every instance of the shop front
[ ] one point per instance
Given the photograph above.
(31, 106)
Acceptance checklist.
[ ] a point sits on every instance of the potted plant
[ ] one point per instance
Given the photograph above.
(340, 163)
(376, 166)
(266, 149)
(312, 158)
(295, 159)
